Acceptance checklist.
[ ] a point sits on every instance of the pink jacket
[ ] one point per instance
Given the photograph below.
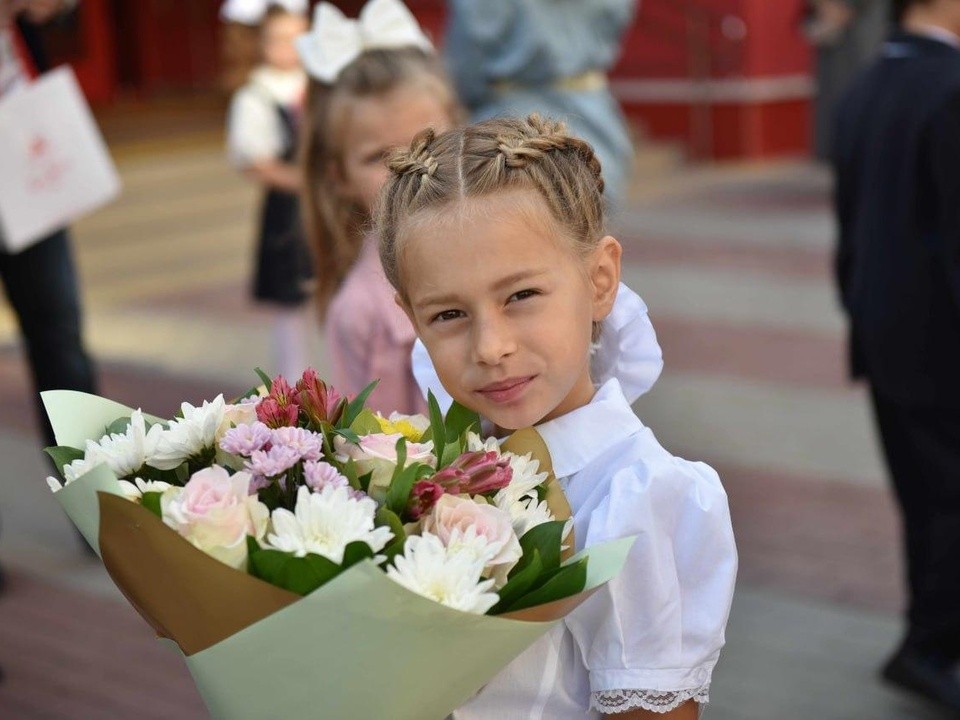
(368, 338)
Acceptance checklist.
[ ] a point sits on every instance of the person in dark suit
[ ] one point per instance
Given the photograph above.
(897, 162)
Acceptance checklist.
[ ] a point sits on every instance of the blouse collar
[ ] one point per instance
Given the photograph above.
(578, 438)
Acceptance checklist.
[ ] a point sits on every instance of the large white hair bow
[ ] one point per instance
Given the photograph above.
(335, 41)
(250, 12)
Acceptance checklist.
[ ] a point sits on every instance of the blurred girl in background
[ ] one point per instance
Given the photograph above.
(262, 132)
(374, 84)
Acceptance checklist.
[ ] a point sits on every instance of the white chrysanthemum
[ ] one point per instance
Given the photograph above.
(79, 468)
(447, 576)
(125, 454)
(526, 476)
(191, 435)
(326, 522)
(134, 491)
(525, 513)
(476, 443)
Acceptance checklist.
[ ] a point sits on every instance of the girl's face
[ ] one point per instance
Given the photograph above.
(505, 307)
(278, 36)
(372, 127)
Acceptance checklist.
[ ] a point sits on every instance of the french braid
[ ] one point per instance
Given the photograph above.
(509, 154)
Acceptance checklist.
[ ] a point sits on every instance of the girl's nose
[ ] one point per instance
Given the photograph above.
(492, 341)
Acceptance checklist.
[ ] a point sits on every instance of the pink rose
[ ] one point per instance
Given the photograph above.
(377, 454)
(215, 512)
(456, 520)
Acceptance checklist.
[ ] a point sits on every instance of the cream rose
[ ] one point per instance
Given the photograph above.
(215, 512)
(459, 520)
(377, 454)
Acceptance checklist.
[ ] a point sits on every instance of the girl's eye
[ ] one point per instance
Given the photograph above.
(447, 316)
(523, 295)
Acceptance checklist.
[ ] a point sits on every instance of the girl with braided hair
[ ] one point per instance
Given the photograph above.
(493, 237)
(374, 83)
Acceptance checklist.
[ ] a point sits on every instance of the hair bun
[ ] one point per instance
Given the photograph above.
(417, 159)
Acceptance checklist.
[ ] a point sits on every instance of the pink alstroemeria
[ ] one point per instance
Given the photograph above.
(274, 415)
(475, 473)
(319, 402)
(280, 407)
(423, 497)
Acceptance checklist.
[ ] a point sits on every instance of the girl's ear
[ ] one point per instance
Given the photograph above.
(605, 276)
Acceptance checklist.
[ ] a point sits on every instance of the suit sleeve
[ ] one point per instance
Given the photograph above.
(844, 195)
(944, 159)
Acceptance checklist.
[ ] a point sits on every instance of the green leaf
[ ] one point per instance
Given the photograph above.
(451, 452)
(151, 501)
(459, 420)
(398, 494)
(355, 552)
(349, 471)
(63, 456)
(570, 580)
(182, 472)
(348, 435)
(401, 448)
(252, 392)
(366, 423)
(118, 426)
(267, 381)
(298, 575)
(388, 518)
(546, 539)
(437, 432)
(365, 481)
(352, 411)
(518, 585)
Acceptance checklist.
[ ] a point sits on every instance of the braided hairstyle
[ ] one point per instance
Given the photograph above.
(507, 154)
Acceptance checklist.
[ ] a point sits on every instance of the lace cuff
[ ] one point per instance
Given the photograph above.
(658, 701)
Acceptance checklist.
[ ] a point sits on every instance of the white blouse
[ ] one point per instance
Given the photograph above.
(255, 131)
(650, 638)
(627, 350)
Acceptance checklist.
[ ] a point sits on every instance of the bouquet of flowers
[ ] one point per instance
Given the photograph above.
(298, 533)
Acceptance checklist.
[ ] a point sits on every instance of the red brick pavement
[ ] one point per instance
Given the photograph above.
(71, 656)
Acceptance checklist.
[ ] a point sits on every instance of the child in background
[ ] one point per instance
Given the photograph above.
(493, 238)
(375, 83)
(262, 142)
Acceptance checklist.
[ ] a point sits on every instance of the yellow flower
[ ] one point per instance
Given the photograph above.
(412, 427)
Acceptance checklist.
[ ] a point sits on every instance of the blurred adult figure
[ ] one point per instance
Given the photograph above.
(40, 282)
(897, 160)
(516, 57)
(847, 35)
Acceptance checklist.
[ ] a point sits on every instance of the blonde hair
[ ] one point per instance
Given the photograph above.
(334, 225)
(499, 155)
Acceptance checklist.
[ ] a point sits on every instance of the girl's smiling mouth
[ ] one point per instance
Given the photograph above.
(506, 391)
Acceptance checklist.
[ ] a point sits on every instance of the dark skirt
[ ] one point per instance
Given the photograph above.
(284, 271)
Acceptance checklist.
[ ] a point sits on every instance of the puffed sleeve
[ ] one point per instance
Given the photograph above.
(253, 129)
(651, 638)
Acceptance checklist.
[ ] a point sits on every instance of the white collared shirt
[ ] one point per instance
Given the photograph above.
(650, 638)
(254, 130)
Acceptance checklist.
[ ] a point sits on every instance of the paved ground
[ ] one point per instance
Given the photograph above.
(733, 263)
